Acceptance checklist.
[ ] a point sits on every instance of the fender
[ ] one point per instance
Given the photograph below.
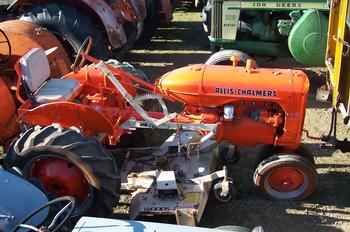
(68, 114)
(13, 202)
(25, 36)
(114, 30)
(140, 9)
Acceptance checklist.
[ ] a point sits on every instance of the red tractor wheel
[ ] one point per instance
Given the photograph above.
(63, 162)
(286, 177)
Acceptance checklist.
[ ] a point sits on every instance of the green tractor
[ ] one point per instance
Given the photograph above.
(269, 28)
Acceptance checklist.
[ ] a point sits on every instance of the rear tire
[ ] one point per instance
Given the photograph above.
(233, 228)
(71, 25)
(39, 147)
(223, 57)
(151, 22)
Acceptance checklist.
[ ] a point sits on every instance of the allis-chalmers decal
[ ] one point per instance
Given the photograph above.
(246, 92)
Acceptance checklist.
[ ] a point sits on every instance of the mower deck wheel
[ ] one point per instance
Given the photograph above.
(286, 177)
(217, 191)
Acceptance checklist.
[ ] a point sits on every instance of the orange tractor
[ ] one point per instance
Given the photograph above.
(71, 126)
(16, 39)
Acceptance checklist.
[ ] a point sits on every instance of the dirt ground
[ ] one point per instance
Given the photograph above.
(182, 43)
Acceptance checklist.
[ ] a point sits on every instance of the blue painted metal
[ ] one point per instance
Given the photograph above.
(18, 198)
(91, 224)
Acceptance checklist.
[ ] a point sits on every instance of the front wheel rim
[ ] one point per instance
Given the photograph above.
(286, 182)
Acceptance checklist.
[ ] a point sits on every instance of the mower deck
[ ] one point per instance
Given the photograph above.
(166, 181)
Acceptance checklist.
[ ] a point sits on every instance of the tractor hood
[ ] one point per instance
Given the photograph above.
(18, 199)
(217, 85)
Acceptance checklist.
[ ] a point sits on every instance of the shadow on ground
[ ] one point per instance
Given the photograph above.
(173, 46)
(326, 207)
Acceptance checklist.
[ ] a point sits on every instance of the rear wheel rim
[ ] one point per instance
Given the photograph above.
(66, 180)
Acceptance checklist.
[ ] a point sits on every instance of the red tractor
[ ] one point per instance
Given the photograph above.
(16, 39)
(114, 25)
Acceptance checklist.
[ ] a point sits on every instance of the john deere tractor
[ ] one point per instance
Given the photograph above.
(269, 28)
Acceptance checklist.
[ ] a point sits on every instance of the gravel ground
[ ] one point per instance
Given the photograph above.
(182, 43)
(5, 2)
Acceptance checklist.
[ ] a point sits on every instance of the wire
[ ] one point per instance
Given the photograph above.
(58, 215)
(29, 227)
(310, 136)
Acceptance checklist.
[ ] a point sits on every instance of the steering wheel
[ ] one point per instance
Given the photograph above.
(9, 48)
(68, 208)
(79, 58)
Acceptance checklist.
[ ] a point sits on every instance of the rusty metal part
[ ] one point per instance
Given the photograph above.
(114, 30)
(24, 36)
(130, 10)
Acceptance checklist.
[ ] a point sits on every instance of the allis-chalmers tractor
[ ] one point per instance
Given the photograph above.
(71, 126)
(114, 25)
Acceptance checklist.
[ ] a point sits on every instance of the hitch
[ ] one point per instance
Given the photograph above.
(334, 143)
(331, 139)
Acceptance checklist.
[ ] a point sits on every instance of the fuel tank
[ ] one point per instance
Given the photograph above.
(216, 85)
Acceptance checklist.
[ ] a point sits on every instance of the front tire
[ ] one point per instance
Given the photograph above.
(64, 162)
(286, 177)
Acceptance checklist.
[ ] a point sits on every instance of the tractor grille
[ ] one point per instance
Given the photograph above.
(216, 21)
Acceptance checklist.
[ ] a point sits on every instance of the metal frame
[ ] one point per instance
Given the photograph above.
(336, 56)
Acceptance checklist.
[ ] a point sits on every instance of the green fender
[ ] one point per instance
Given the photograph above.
(307, 40)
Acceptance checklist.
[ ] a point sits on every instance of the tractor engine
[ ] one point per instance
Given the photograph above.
(251, 106)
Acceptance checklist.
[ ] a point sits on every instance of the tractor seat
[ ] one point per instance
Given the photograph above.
(35, 72)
